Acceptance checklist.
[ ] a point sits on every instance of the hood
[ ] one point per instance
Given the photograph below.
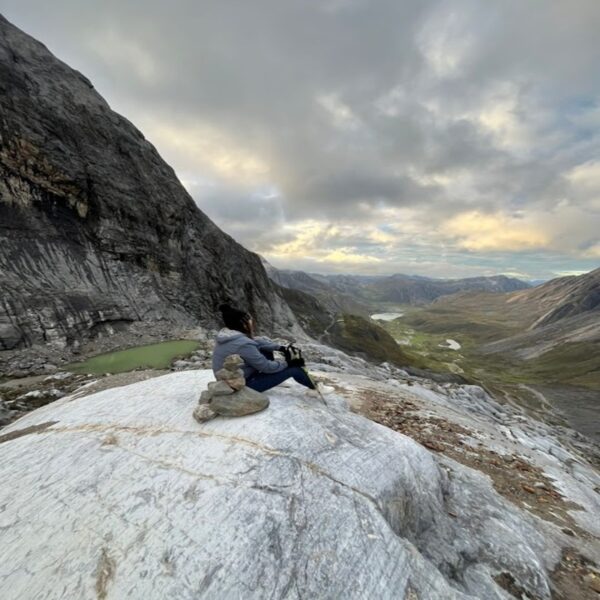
(226, 335)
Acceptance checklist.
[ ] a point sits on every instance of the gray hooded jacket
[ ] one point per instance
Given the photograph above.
(229, 342)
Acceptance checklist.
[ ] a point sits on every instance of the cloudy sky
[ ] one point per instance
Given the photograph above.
(438, 137)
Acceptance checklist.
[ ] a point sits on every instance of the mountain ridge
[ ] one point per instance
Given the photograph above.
(359, 291)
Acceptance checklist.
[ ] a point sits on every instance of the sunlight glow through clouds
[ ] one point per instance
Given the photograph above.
(500, 117)
(322, 242)
(593, 251)
(478, 231)
(205, 149)
(347, 257)
(341, 115)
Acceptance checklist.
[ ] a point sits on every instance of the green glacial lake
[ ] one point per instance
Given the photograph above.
(152, 356)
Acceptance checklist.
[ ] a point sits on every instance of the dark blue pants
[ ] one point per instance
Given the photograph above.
(262, 382)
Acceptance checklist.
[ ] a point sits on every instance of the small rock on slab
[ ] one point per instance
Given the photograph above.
(219, 388)
(203, 413)
(243, 402)
(227, 374)
(236, 384)
(205, 397)
(233, 361)
(594, 583)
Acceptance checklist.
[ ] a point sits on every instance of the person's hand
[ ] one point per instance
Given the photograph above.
(286, 352)
(293, 356)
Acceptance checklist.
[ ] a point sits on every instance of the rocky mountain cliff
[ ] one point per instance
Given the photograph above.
(96, 231)
(565, 297)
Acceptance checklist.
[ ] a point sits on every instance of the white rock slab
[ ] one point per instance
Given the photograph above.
(122, 494)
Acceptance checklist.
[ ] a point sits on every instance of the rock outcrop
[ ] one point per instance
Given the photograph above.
(561, 311)
(566, 297)
(96, 231)
(229, 396)
(122, 494)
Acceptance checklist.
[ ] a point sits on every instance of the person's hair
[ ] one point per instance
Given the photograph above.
(235, 318)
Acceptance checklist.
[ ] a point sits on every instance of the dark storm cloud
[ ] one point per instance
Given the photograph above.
(431, 108)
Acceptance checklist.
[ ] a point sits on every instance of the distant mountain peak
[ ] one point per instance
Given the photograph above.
(399, 288)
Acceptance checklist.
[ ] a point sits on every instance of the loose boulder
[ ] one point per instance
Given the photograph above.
(243, 402)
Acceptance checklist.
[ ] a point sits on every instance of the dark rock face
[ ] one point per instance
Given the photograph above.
(95, 229)
(568, 297)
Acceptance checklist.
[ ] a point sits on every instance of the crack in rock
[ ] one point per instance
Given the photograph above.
(105, 573)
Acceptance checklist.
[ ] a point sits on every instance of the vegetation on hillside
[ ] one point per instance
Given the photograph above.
(357, 335)
(424, 331)
(311, 314)
(474, 320)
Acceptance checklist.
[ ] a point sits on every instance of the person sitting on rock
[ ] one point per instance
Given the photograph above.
(261, 370)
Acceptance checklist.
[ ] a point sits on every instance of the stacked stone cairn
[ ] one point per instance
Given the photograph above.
(229, 396)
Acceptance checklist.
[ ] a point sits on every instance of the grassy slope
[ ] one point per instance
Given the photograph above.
(472, 324)
(311, 314)
(357, 335)
(575, 363)
(351, 333)
(472, 319)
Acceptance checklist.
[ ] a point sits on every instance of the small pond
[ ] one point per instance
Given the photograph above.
(152, 356)
(450, 344)
(386, 316)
